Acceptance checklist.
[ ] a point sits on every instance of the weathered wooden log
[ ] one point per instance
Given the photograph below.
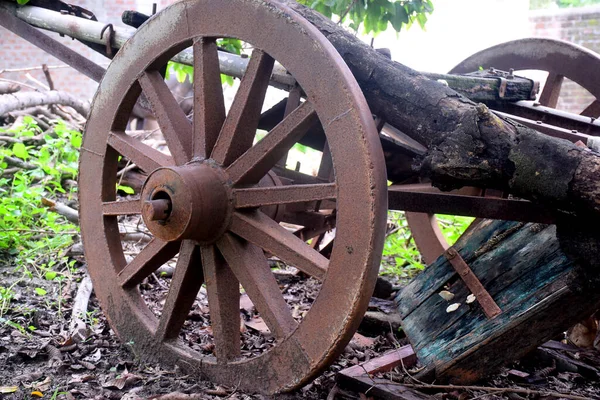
(468, 144)
(540, 290)
(481, 86)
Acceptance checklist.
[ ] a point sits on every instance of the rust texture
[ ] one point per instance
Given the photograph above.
(489, 306)
(215, 201)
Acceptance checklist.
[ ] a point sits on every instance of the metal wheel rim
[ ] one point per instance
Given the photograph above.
(557, 56)
(340, 106)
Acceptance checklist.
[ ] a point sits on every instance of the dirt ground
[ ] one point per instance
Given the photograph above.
(39, 357)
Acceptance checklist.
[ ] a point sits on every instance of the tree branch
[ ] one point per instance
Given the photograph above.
(10, 102)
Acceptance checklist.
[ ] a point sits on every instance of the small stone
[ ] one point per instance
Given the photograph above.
(446, 295)
(452, 307)
(471, 298)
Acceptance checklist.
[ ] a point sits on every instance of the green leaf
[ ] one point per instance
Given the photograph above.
(125, 189)
(19, 150)
(422, 19)
(76, 140)
(22, 2)
(50, 275)
(226, 79)
(40, 291)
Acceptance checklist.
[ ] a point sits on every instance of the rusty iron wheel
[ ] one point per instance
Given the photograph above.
(560, 60)
(201, 202)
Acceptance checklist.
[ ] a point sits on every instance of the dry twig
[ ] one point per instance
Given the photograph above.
(69, 213)
(496, 390)
(80, 304)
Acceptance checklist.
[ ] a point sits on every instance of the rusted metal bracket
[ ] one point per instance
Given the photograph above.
(108, 28)
(489, 306)
(502, 89)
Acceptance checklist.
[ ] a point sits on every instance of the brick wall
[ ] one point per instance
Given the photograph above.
(577, 25)
(16, 53)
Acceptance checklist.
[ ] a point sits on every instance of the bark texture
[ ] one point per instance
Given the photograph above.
(8, 87)
(468, 144)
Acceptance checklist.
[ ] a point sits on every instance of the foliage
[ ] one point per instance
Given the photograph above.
(537, 4)
(374, 15)
(29, 232)
(400, 254)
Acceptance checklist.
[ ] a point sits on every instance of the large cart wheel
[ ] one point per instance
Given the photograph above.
(204, 207)
(559, 60)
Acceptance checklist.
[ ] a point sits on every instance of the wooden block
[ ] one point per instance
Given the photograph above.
(384, 363)
(525, 271)
(518, 376)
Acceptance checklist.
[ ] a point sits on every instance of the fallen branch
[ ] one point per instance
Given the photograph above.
(80, 305)
(7, 87)
(5, 70)
(75, 250)
(140, 237)
(48, 76)
(11, 102)
(495, 390)
(15, 162)
(178, 396)
(9, 139)
(69, 213)
(19, 83)
(9, 172)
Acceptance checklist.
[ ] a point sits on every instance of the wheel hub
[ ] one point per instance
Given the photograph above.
(187, 202)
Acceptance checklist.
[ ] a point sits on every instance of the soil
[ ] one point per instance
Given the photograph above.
(43, 358)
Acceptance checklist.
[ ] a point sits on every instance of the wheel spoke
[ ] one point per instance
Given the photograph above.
(326, 166)
(152, 257)
(265, 196)
(186, 282)
(261, 230)
(549, 96)
(239, 129)
(173, 122)
(142, 155)
(427, 235)
(126, 207)
(593, 110)
(259, 159)
(224, 302)
(209, 107)
(250, 266)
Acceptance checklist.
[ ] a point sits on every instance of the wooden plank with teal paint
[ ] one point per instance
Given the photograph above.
(438, 273)
(529, 277)
(496, 269)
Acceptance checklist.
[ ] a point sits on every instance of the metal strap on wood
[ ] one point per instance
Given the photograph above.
(489, 306)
